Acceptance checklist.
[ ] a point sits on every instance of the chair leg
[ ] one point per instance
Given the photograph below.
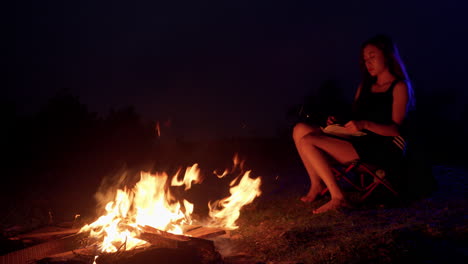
(369, 190)
(379, 180)
(342, 175)
(362, 170)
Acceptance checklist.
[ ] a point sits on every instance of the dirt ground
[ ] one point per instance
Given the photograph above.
(428, 230)
(276, 227)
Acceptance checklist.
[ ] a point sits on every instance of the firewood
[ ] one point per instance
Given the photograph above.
(169, 240)
(206, 232)
(78, 256)
(45, 234)
(158, 240)
(150, 229)
(188, 228)
(161, 244)
(162, 256)
(43, 250)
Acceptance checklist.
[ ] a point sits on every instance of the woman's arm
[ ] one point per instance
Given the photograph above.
(356, 97)
(381, 129)
(358, 92)
(399, 109)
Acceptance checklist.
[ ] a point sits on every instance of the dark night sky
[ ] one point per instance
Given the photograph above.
(214, 67)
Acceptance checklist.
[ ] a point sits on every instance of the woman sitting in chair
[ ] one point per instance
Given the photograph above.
(380, 111)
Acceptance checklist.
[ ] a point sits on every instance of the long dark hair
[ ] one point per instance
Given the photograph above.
(392, 60)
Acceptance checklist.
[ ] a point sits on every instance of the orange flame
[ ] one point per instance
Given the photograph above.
(237, 163)
(191, 175)
(150, 203)
(226, 211)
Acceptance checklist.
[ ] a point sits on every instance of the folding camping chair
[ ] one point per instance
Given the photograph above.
(366, 173)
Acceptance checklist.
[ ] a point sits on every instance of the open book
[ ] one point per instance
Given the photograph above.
(341, 131)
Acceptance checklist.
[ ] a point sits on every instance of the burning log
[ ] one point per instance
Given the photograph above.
(157, 237)
(78, 256)
(43, 250)
(152, 230)
(195, 232)
(206, 232)
(69, 249)
(160, 238)
(34, 239)
(165, 248)
(45, 235)
(162, 256)
(122, 236)
(203, 231)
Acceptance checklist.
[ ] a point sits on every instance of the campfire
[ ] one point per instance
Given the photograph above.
(149, 215)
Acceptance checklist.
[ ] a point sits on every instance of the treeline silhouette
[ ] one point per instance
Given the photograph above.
(55, 160)
(57, 157)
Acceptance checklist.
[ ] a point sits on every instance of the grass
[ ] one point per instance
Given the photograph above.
(278, 228)
(282, 229)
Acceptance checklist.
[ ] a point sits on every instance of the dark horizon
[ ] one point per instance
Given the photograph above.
(226, 69)
(222, 79)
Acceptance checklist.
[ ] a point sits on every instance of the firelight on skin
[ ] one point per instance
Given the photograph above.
(382, 70)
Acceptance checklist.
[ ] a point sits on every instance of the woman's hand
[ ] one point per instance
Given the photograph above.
(355, 125)
(331, 120)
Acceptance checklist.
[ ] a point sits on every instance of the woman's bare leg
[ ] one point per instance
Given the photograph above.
(314, 148)
(316, 184)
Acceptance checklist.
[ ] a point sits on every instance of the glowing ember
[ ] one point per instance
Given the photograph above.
(158, 129)
(150, 203)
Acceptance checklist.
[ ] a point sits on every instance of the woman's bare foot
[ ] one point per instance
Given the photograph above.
(310, 197)
(333, 204)
(313, 194)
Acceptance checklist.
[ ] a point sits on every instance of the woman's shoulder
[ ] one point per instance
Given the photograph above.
(400, 86)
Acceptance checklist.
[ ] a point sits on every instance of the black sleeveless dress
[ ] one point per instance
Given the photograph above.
(384, 151)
